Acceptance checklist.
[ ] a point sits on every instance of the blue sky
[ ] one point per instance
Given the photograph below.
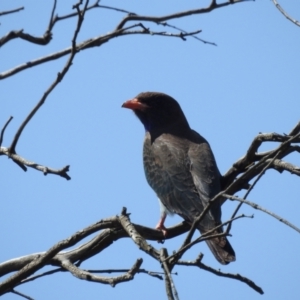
(248, 84)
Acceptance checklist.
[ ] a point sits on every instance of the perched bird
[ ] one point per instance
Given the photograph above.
(180, 167)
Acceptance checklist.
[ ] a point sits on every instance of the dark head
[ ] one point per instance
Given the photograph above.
(158, 112)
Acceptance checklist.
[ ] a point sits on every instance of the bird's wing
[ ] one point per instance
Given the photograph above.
(167, 169)
(206, 176)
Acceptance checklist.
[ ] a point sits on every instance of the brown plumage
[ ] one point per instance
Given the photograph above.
(180, 167)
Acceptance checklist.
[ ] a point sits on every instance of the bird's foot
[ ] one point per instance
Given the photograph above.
(161, 227)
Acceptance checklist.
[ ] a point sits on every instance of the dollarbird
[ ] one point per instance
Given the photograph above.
(180, 167)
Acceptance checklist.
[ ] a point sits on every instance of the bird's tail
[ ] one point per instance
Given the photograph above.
(221, 248)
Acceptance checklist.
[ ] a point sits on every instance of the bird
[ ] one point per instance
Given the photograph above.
(180, 167)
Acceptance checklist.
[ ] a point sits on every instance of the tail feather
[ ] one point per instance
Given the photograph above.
(221, 249)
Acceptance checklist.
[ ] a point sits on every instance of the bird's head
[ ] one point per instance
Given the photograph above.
(158, 112)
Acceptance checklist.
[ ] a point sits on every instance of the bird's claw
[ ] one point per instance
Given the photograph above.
(161, 227)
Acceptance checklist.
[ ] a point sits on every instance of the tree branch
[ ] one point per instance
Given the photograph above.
(286, 14)
(197, 263)
(181, 14)
(120, 30)
(2, 13)
(3, 130)
(256, 206)
(22, 162)
(171, 291)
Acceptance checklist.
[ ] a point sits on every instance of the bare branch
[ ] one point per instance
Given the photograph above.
(205, 236)
(108, 271)
(85, 275)
(3, 130)
(197, 263)
(44, 40)
(116, 9)
(32, 267)
(120, 30)
(52, 21)
(2, 13)
(281, 166)
(11, 151)
(59, 78)
(29, 264)
(32, 278)
(169, 283)
(22, 295)
(248, 166)
(39, 260)
(136, 237)
(295, 130)
(246, 162)
(94, 42)
(208, 9)
(143, 271)
(112, 231)
(268, 164)
(256, 206)
(22, 162)
(193, 36)
(285, 13)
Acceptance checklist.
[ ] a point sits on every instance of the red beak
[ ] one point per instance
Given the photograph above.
(134, 104)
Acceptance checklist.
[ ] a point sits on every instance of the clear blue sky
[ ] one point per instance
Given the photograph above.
(248, 84)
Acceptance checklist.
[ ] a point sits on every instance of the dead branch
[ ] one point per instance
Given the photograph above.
(213, 5)
(197, 263)
(252, 166)
(22, 295)
(169, 283)
(11, 151)
(58, 79)
(94, 42)
(285, 13)
(205, 236)
(3, 130)
(119, 30)
(136, 237)
(23, 163)
(85, 275)
(2, 13)
(258, 207)
(111, 229)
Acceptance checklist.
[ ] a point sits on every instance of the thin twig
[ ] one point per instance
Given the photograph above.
(135, 236)
(268, 164)
(52, 20)
(59, 78)
(120, 30)
(21, 295)
(144, 271)
(205, 236)
(2, 13)
(256, 206)
(22, 162)
(208, 9)
(202, 266)
(169, 283)
(3, 130)
(286, 14)
(113, 281)
(184, 31)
